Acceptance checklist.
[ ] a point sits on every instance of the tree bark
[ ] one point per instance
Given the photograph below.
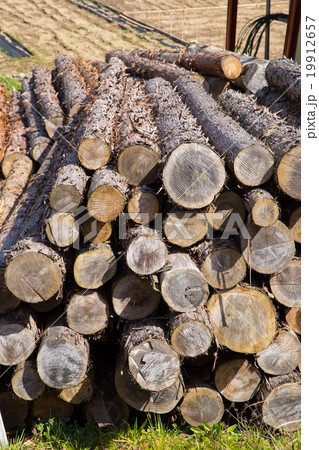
(184, 228)
(50, 405)
(142, 205)
(94, 266)
(26, 382)
(88, 312)
(285, 75)
(286, 285)
(225, 211)
(47, 102)
(136, 138)
(183, 286)
(202, 404)
(14, 410)
(251, 162)
(193, 174)
(295, 224)
(243, 319)
(89, 74)
(262, 207)
(39, 141)
(293, 319)
(62, 229)
(267, 249)
(82, 392)
(3, 119)
(62, 358)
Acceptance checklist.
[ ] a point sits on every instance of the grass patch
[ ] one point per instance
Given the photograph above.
(11, 83)
(154, 434)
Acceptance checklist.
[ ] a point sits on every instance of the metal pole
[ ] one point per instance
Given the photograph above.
(231, 25)
(267, 31)
(3, 435)
(293, 29)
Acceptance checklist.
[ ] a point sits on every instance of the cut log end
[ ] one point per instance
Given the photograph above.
(50, 405)
(286, 285)
(139, 165)
(221, 210)
(293, 318)
(191, 338)
(231, 67)
(254, 165)
(289, 173)
(62, 229)
(202, 404)
(142, 207)
(96, 232)
(106, 203)
(27, 384)
(65, 198)
(82, 392)
(146, 255)
(8, 160)
(295, 225)
(54, 127)
(93, 153)
(184, 228)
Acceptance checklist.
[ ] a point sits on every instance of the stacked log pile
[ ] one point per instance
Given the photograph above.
(149, 243)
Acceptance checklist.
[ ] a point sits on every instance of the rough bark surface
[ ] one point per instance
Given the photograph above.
(280, 105)
(89, 73)
(3, 119)
(285, 75)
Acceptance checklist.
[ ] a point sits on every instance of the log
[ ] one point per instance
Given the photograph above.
(193, 174)
(16, 141)
(18, 334)
(97, 410)
(251, 161)
(14, 410)
(47, 102)
(152, 362)
(95, 231)
(14, 186)
(88, 312)
(222, 264)
(62, 358)
(146, 252)
(183, 286)
(282, 356)
(286, 285)
(49, 405)
(136, 140)
(225, 211)
(216, 86)
(94, 266)
(237, 379)
(69, 84)
(295, 224)
(279, 104)
(134, 297)
(293, 319)
(93, 136)
(82, 392)
(282, 139)
(282, 408)
(39, 141)
(243, 319)
(48, 305)
(262, 207)
(26, 382)
(184, 228)
(202, 404)
(68, 189)
(142, 205)
(8, 302)
(89, 73)
(267, 249)
(190, 333)
(285, 75)
(106, 195)
(3, 119)
(62, 229)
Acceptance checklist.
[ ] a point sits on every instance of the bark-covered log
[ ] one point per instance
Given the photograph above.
(26, 382)
(61, 229)
(237, 379)
(267, 249)
(146, 252)
(142, 205)
(16, 140)
(69, 83)
(250, 160)
(184, 228)
(14, 186)
(94, 266)
(18, 334)
(286, 285)
(191, 333)
(218, 64)
(39, 141)
(282, 408)
(202, 404)
(193, 174)
(82, 392)
(295, 224)
(279, 104)
(99, 65)
(134, 297)
(226, 212)
(282, 139)
(47, 102)
(89, 73)
(3, 119)
(285, 75)
(107, 194)
(68, 189)
(152, 362)
(262, 206)
(8, 302)
(183, 286)
(293, 318)
(282, 356)
(243, 319)
(136, 138)
(50, 405)
(94, 136)
(88, 312)
(14, 410)
(222, 264)
(62, 359)
(95, 231)
(216, 86)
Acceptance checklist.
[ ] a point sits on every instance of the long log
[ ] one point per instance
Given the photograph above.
(47, 102)
(202, 404)
(184, 228)
(226, 211)
(142, 205)
(3, 118)
(193, 174)
(262, 207)
(285, 75)
(183, 286)
(282, 139)
(243, 319)
(286, 285)
(250, 160)
(136, 137)
(39, 141)
(50, 405)
(295, 224)
(26, 382)
(14, 410)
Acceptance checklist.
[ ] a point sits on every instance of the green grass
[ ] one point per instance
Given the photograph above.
(153, 434)
(11, 83)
